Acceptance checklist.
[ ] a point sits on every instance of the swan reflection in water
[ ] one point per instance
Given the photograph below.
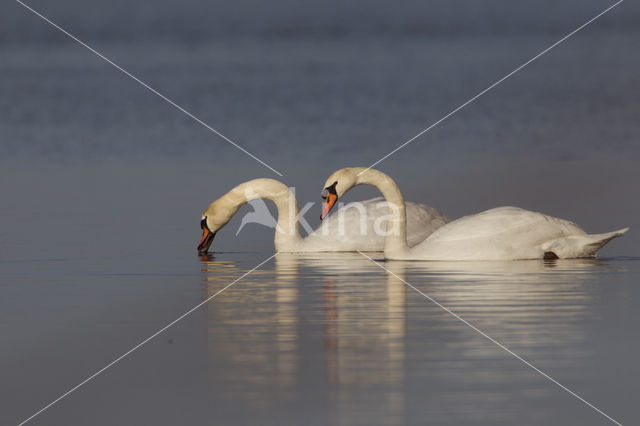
(337, 331)
(253, 329)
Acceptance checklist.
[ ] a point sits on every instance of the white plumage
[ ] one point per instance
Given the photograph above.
(504, 233)
(341, 232)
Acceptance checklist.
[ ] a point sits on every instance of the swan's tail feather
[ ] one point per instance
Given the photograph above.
(597, 241)
(580, 246)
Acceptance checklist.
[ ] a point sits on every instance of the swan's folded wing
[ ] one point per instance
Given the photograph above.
(496, 234)
(422, 221)
(505, 222)
(362, 226)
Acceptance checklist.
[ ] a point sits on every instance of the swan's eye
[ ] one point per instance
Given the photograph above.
(203, 223)
(330, 190)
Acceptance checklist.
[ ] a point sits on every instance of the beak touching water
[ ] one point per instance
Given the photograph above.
(207, 237)
(329, 201)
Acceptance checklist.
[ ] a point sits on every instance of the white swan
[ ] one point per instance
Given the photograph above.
(504, 233)
(346, 232)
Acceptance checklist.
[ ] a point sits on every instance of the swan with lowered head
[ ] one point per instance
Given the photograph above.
(503, 233)
(356, 227)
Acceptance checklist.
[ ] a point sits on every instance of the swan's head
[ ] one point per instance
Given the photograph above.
(214, 217)
(207, 237)
(336, 186)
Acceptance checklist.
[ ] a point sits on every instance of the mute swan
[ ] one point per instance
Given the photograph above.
(346, 233)
(504, 233)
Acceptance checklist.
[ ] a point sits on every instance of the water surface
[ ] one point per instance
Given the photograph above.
(323, 339)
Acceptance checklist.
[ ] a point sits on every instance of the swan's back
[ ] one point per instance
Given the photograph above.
(500, 233)
(343, 231)
(505, 221)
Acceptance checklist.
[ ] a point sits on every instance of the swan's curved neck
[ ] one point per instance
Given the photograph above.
(396, 234)
(287, 228)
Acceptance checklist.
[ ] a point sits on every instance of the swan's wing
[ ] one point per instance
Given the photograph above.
(356, 226)
(504, 221)
(349, 228)
(422, 221)
(501, 233)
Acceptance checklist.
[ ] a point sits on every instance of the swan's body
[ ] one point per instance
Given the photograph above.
(504, 233)
(344, 232)
(507, 233)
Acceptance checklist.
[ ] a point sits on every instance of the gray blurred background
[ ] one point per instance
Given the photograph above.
(309, 87)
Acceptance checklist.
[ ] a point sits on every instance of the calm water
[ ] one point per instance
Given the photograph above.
(319, 339)
(102, 185)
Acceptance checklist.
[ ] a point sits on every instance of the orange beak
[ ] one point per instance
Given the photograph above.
(329, 201)
(207, 237)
